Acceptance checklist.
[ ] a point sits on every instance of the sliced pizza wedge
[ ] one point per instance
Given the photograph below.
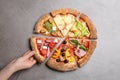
(43, 47)
(64, 19)
(63, 58)
(83, 50)
(83, 27)
(46, 26)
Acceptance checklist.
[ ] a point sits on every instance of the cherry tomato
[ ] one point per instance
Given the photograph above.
(86, 44)
(43, 52)
(51, 44)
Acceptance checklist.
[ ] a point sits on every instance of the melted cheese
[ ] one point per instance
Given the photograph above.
(69, 19)
(59, 21)
(39, 41)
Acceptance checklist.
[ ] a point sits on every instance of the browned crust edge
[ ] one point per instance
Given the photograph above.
(40, 22)
(65, 11)
(92, 29)
(60, 66)
(39, 26)
(37, 55)
(85, 59)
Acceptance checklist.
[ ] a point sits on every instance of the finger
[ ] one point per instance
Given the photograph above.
(26, 52)
(34, 61)
(30, 54)
(31, 58)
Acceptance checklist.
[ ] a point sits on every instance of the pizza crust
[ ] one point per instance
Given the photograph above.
(91, 27)
(39, 24)
(84, 60)
(37, 55)
(65, 11)
(61, 66)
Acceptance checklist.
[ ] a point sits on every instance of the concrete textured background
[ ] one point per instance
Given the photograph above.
(17, 20)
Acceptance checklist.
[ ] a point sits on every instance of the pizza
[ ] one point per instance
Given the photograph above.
(43, 47)
(83, 49)
(63, 58)
(72, 53)
(69, 39)
(47, 26)
(83, 28)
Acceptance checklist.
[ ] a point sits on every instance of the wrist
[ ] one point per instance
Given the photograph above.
(10, 69)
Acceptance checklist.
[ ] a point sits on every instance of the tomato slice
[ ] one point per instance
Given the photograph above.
(43, 52)
(51, 44)
(86, 44)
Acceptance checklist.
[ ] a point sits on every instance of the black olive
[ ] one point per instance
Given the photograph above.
(66, 61)
(57, 60)
(63, 54)
(62, 50)
(64, 42)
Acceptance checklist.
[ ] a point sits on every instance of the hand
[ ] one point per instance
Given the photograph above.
(23, 62)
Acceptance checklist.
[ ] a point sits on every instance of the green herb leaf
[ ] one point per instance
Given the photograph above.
(79, 25)
(52, 31)
(83, 48)
(48, 25)
(75, 42)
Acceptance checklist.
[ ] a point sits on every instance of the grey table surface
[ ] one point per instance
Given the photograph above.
(17, 20)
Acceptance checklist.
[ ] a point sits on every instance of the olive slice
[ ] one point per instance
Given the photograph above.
(57, 60)
(66, 61)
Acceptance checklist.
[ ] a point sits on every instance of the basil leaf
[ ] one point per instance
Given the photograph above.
(83, 48)
(75, 42)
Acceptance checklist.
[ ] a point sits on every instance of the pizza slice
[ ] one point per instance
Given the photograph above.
(64, 19)
(63, 58)
(46, 26)
(83, 49)
(83, 27)
(43, 47)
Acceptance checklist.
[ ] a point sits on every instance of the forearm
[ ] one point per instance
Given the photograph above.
(6, 72)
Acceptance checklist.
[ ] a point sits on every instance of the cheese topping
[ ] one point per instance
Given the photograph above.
(44, 47)
(56, 40)
(39, 41)
(59, 21)
(54, 28)
(69, 19)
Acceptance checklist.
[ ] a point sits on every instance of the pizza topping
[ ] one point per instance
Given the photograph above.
(62, 50)
(75, 42)
(53, 28)
(48, 52)
(59, 21)
(83, 29)
(56, 40)
(51, 44)
(63, 54)
(62, 58)
(66, 61)
(57, 60)
(64, 42)
(71, 59)
(56, 54)
(69, 19)
(49, 27)
(44, 47)
(43, 52)
(86, 44)
(39, 41)
(83, 47)
(80, 52)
